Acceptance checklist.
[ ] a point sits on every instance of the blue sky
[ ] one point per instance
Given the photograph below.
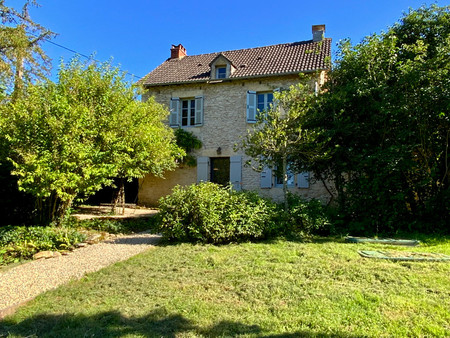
(138, 34)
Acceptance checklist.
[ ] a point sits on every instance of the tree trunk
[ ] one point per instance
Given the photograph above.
(285, 179)
(61, 211)
(119, 198)
(18, 77)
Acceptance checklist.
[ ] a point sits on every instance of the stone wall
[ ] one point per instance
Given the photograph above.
(224, 125)
(151, 188)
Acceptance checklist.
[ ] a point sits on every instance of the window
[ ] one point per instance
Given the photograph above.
(221, 72)
(258, 103)
(186, 112)
(274, 178)
(279, 177)
(264, 101)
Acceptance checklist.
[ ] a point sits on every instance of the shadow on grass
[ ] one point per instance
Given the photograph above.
(158, 323)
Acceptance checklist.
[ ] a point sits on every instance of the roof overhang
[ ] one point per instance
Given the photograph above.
(234, 78)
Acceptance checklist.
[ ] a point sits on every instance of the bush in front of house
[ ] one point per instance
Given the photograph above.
(304, 216)
(210, 213)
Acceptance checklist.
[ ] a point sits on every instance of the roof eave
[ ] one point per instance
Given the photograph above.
(146, 85)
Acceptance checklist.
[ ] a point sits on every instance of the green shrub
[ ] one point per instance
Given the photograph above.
(209, 213)
(112, 226)
(17, 242)
(304, 216)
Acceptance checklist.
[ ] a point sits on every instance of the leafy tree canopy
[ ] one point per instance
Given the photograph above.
(70, 138)
(21, 57)
(279, 137)
(385, 119)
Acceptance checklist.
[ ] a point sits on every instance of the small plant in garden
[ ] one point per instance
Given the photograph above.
(115, 226)
(22, 242)
(210, 213)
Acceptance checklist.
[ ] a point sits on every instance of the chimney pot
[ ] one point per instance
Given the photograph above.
(177, 52)
(318, 32)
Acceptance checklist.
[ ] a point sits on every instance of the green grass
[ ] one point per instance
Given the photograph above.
(272, 289)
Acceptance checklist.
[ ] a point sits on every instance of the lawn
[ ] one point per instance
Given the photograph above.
(271, 289)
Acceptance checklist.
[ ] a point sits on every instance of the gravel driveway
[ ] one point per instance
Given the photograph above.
(26, 281)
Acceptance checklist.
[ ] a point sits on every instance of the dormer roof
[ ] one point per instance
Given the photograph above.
(281, 59)
(219, 57)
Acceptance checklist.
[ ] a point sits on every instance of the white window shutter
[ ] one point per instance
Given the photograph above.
(199, 110)
(236, 172)
(251, 107)
(266, 178)
(303, 180)
(202, 169)
(174, 112)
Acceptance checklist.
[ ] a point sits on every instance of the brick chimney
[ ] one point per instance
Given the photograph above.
(177, 52)
(318, 32)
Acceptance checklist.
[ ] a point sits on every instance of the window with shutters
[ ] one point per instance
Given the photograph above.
(264, 102)
(258, 103)
(274, 178)
(279, 177)
(186, 112)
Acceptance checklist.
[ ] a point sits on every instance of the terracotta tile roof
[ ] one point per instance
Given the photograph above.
(287, 58)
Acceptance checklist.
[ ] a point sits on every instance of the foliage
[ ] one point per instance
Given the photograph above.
(187, 141)
(303, 216)
(114, 226)
(384, 119)
(16, 207)
(22, 242)
(210, 213)
(70, 138)
(318, 288)
(21, 57)
(278, 136)
(21, 61)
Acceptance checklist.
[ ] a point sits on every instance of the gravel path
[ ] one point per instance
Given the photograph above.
(24, 282)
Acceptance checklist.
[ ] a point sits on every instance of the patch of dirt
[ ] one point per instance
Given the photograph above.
(105, 212)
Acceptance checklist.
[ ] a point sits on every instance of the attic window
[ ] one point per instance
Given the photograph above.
(221, 72)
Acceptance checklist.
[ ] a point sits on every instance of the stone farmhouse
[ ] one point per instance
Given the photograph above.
(217, 96)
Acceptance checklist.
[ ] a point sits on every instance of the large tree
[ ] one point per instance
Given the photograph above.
(70, 138)
(385, 118)
(22, 60)
(21, 57)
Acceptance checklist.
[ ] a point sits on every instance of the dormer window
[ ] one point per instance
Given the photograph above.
(221, 68)
(221, 72)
